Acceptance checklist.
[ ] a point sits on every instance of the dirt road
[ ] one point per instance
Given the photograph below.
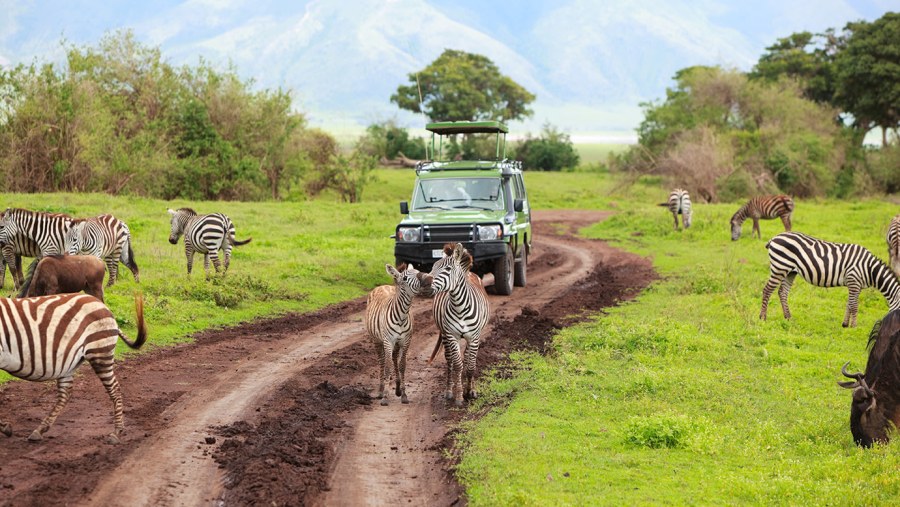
(279, 412)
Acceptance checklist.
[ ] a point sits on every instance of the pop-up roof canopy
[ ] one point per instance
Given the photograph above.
(445, 128)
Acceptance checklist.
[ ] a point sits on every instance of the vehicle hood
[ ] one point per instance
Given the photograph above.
(453, 216)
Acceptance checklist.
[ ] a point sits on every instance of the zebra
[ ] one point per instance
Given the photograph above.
(893, 242)
(32, 234)
(461, 311)
(11, 254)
(107, 238)
(763, 206)
(826, 264)
(206, 234)
(389, 323)
(680, 204)
(48, 337)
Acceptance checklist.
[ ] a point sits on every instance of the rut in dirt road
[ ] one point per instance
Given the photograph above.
(288, 403)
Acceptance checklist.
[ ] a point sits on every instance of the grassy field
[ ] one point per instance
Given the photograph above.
(592, 153)
(684, 396)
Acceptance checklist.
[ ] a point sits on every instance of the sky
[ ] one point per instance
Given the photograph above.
(589, 62)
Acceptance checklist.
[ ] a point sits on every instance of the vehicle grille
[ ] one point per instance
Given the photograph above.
(448, 233)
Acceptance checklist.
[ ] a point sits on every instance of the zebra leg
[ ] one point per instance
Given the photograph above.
(214, 257)
(469, 392)
(852, 303)
(103, 365)
(387, 351)
(771, 285)
(453, 356)
(226, 254)
(786, 220)
(401, 372)
(756, 228)
(189, 253)
(112, 266)
(675, 214)
(783, 292)
(63, 391)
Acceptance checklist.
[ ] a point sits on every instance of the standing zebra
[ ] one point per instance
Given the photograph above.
(32, 234)
(206, 234)
(826, 264)
(766, 207)
(12, 258)
(461, 310)
(389, 323)
(105, 237)
(48, 337)
(680, 204)
(893, 242)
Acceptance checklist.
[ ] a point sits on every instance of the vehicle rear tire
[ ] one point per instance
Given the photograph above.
(503, 273)
(521, 269)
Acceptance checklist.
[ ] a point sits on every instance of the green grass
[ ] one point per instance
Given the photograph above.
(592, 153)
(684, 396)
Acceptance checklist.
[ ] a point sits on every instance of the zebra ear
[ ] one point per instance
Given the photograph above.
(171, 211)
(396, 275)
(459, 251)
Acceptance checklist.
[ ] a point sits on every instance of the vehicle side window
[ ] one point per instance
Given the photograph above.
(520, 188)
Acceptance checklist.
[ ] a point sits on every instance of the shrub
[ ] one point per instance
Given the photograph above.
(552, 151)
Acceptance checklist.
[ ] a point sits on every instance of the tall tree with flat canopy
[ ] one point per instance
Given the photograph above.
(463, 86)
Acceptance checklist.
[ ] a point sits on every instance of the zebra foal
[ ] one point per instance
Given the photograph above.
(461, 311)
(48, 337)
(389, 323)
(826, 264)
(206, 234)
(107, 238)
(679, 203)
(762, 207)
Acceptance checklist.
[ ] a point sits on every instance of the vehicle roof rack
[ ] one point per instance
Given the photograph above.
(445, 128)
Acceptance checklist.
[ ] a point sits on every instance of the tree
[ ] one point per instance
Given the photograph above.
(806, 57)
(868, 74)
(551, 151)
(464, 86)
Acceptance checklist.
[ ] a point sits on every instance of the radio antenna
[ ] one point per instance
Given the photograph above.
(422, 110)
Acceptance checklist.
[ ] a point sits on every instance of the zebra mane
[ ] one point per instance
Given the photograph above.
(190, 211)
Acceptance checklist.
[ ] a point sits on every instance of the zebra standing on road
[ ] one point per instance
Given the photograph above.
(105, 237)
(461, 310)
(893, 242)
(48, 337)
(389, 323)
(206, 234)
(32, 234)
(680, 204)
(765, 207)
(826, 264)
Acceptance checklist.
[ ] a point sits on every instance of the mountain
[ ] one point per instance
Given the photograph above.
(589, 62)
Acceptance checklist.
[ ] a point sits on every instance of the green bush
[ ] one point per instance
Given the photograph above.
(552, 151)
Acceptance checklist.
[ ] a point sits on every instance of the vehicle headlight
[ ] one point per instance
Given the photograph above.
(489, 232)
(409, 234)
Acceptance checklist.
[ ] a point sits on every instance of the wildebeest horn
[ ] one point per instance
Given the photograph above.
(858, 376)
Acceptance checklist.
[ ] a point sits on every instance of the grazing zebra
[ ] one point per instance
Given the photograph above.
(48, 337)
(893, 241)
(826, 264)
(461, 310)
(390, 326)
(763, 206)
(680, 204)
(206, 234)
(31, 234)
(105, 237)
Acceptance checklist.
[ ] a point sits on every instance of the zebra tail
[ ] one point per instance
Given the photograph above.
(238, 243)
(128, 260)
(665, 204)
(437, 347)
(29, 276)
(142, 326)
(789, 204)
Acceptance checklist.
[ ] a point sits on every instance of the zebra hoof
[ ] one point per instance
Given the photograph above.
(6, 430)
(35, 436)
(112, 439)
(844, 324)
(398, 391)
(404, 400)
(384, 402)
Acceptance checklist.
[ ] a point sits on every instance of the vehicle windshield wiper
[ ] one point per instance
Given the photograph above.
(430, 207)
(461, 206)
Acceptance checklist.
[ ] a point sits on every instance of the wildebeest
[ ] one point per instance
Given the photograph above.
(62, 274)
(876, 393)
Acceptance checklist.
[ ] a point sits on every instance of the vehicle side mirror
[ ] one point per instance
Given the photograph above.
(404, 207)
(519, 205)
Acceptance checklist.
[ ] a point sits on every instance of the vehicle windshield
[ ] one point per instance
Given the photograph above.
(452, 193)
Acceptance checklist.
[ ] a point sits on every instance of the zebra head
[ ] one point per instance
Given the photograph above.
(179, 220)
(735, 230)
(75, 238)
(451, 270)
(409, 280)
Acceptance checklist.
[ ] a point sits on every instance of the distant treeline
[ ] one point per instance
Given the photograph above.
(796, 123)
(118, 118)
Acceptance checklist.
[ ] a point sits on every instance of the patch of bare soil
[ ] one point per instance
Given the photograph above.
(279, 412)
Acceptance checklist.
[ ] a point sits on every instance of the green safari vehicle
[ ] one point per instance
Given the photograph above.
(479, 203)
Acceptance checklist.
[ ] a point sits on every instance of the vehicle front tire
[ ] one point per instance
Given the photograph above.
(521, 269)
(503, 274)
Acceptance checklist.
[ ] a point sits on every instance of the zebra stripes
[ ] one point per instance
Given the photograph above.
(32, 234)
(47, 338)
(826, 264)
(762, 207)
(680, 204)
(105, 237)
(893, 242)
(12, 254)
(206, 234)
(461, 310)
(389, 323)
